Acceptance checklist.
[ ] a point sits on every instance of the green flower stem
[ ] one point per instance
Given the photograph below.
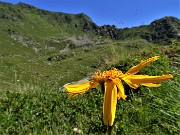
(110, 129)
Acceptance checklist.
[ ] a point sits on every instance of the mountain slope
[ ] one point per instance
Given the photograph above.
(28, 20)
(164, 30)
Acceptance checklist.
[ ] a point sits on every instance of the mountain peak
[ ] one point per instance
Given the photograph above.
(25, 6)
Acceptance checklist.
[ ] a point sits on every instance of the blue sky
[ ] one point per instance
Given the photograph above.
(122, 13)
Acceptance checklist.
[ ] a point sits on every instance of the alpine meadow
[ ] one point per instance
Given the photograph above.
(57, 71)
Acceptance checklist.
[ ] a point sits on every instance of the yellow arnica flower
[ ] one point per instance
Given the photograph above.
(113, 90)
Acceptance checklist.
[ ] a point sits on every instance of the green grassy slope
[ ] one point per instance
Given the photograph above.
(32, 103)
(29, 36)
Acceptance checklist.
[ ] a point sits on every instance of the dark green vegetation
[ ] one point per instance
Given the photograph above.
(40, 51)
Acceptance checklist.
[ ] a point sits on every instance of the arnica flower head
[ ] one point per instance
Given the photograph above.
(112, 87)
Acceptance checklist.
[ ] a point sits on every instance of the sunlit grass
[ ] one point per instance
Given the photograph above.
(33, 103)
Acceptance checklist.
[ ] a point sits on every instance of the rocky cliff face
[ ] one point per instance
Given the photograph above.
(105, 30)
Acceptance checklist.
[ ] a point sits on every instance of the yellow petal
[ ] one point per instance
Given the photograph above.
(138, 67)
(110, 101)
(132, 85)
(75, 89)
(121, 93)
(151, 84)
(94, 84)
(141, 79)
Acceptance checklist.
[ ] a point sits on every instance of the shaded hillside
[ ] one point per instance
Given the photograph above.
(21, 12)
(29, 25)
(163, 30)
